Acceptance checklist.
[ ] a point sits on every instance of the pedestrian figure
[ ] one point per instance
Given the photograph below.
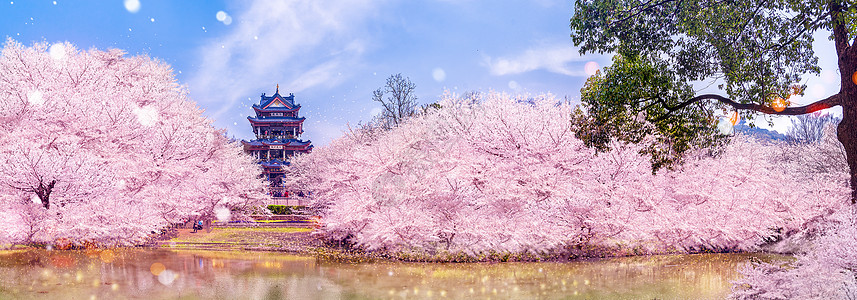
(197, 226)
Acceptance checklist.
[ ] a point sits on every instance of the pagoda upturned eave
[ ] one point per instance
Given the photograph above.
(259, 109)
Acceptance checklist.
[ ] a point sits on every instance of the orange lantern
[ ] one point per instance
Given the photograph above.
(779, 105)
(734, 118)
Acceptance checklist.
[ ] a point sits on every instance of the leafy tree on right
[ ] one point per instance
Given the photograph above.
(758, 51)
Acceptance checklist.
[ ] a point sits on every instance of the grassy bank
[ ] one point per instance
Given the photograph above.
(286, 239)
(305, 241)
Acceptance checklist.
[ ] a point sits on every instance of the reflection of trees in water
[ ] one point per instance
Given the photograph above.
(82, 274)
(259, 275)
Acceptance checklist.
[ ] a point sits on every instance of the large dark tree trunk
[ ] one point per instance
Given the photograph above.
(847, 130)
(846, 52)
(44, 193)
(846, 134)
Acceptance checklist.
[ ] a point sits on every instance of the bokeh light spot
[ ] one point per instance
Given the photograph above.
(590, 68)
(514, 85)
(147, 116)
(167, 277)
(854, 77)
(107, 256)
(35, 98)
(222, 214)
(132, 6)
(57, 51)
(438, 74)
(157, 268)
(223, 17)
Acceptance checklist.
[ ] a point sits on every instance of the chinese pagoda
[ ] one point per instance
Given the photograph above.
(277, 128)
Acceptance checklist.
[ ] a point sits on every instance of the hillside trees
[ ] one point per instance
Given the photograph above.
(756, 52)
(397, 100)
(99, 147)
(809, 128)
(501, 173)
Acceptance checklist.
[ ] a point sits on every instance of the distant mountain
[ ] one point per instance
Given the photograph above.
(759, 132)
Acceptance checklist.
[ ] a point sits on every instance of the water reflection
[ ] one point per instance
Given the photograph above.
(148, 274)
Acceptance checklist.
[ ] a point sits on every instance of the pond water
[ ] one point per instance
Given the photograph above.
(164, 274)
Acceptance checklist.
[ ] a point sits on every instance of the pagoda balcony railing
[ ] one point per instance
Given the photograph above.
(275, 136)
(280, 196)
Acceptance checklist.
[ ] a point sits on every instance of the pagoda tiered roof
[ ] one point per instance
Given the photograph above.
(286, 143)
(273, 163)
(277, 102)
(254, 120)
(258, 108)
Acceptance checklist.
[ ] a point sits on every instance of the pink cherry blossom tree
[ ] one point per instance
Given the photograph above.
(108, 147)
(503, 173)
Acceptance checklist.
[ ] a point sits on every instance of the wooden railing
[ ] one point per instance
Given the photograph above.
(279, 196)
(293, 201)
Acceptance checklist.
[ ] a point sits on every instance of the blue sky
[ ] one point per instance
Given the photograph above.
(333, 54)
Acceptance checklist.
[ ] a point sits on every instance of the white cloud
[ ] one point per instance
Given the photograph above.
(555, 59)
(298, 44)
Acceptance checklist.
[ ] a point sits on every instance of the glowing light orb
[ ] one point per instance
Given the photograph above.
(854, 78)
(223, 17)
(590, 68)
(157, 268)
(438, 74)
(167, 277)
(222, 214)
(35, 198)
(147, 116)
(132, 6)
(35, 98)
(514, 85)
(57, 51)
(725, 127)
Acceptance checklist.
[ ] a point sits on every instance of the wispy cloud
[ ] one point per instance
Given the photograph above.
(299, 44)
(554, 59)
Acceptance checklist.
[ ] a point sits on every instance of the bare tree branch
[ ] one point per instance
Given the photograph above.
(788, 111)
